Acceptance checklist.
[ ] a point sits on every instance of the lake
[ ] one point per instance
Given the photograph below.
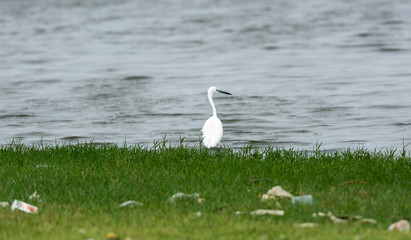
(300, 72)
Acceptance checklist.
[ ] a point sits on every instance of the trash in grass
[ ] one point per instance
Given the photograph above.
(276, 192)
(184, 196)
(345, 219)
(22, 206)
(42, 166)
(4, 204)
(401, 226)
(305, 199)
(197, 214)
(336, 219)
(111, 236)
(268, 212)
(34, 197)
(306, 225)
(332, 217)
(130, 203)
(368, 220)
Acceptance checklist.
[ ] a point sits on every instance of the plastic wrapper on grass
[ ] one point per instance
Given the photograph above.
(276, 193)
(22, 206)
(197, 214)
(130, 203)
(306, 225)
(268, 212)
(345, 219)
(35, 197)
(401, 226)
(185, 197)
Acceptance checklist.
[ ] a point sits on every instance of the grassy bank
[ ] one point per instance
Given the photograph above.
(81, 186)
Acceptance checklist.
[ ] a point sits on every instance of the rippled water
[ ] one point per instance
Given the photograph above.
(300, 72)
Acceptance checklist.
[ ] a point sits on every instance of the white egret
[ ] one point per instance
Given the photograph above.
(213, 128)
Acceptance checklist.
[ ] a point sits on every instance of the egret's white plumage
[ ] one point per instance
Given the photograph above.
(213, 128)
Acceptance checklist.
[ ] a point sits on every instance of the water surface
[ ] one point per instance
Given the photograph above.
(136, 71)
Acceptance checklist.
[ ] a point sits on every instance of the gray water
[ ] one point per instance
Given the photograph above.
(301, 72)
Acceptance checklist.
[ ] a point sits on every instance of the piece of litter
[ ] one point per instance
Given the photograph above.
(305, 199)
(332, 217)
(4, 204)
(345, 219)
(336, 219)
(276, 192)
(22, 206)
(200, 200)
(368, 220)
(197, 214)
(268, 212)
(183, 196)
(42, 166)
(306, 225)
(111, 236)
(401, 226)
(34, 196)
(130, 204)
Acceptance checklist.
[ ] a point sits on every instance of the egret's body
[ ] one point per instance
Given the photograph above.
(213, 128)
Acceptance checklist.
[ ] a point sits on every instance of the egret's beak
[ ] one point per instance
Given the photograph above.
(223, 92)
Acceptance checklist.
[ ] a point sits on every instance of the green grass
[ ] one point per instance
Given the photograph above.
(81, 186)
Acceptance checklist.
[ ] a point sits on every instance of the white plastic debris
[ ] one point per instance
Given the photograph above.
(345, 219)
(335, 219)
(276, 192)
(4, 204)
(197, 214)
(401, 226)
(268, 212)
(306, 225)
(331, 216)
(184, 196)
(130, 203)
(22, 206)
(368, 220)
(42, 166)
(34, 197)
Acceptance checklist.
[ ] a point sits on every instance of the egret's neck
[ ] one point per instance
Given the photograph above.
(210, 99)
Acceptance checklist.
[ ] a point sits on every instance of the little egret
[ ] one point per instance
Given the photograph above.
(213, 128)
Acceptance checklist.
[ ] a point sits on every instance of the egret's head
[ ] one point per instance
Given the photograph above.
(214, 90)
